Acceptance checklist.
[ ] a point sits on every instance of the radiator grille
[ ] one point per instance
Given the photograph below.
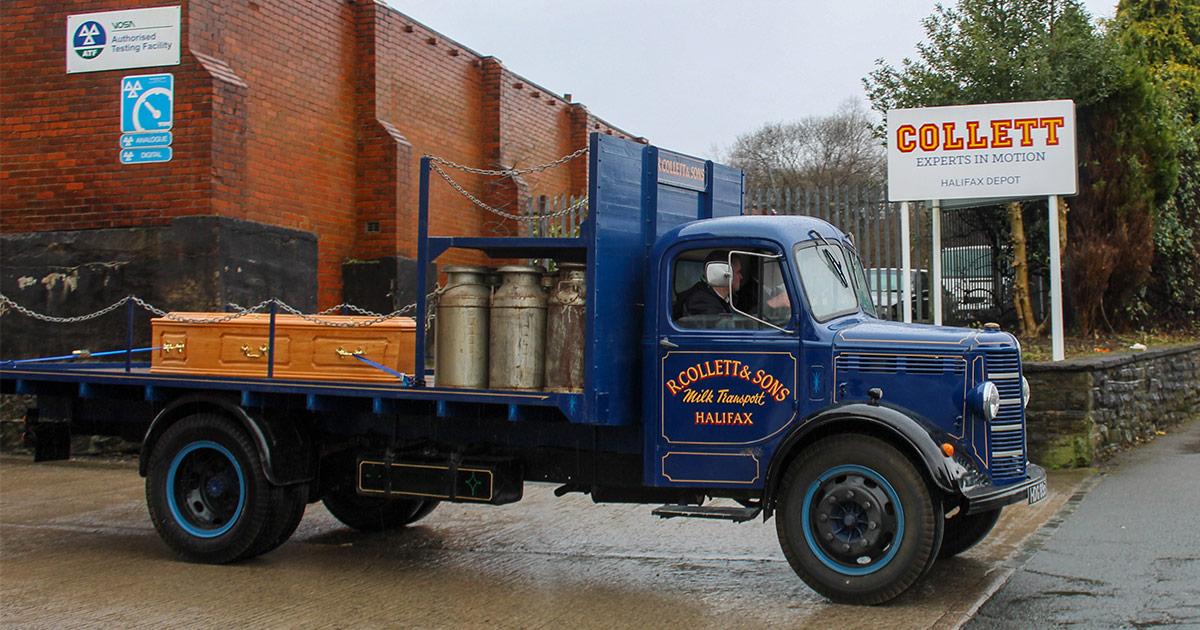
(895, 364)
(1006, 433)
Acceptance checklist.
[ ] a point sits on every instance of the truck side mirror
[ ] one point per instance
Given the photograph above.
(717, 274)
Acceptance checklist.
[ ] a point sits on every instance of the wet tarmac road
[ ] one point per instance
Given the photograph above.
(77, 549)
(1126, 556)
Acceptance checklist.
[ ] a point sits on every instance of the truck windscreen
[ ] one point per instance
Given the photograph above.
(827, 279)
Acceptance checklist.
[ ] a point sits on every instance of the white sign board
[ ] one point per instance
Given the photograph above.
(123, 39)
(982, 151)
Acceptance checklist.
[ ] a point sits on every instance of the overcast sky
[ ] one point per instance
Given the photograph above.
(691, 75)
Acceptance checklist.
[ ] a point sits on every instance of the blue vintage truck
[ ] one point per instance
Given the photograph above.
(726, 358)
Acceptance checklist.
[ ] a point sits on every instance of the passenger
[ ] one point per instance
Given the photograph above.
(705, 299)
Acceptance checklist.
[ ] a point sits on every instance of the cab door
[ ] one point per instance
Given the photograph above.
(726, 381)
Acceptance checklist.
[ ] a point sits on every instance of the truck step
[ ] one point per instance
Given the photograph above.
(735, 514)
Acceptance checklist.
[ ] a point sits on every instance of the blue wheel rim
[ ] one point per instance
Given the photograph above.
(807, 519)
(197, 480)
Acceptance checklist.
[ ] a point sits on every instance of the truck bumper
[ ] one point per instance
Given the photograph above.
(988, 498)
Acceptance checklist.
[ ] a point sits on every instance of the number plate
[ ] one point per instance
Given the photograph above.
(1036, 492)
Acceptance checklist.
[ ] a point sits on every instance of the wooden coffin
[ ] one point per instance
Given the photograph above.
(303, 349)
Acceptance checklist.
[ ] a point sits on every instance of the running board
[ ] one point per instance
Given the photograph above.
(735, 514)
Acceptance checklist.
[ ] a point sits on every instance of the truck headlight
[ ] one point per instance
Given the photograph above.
(1024, 392)
(987, 397)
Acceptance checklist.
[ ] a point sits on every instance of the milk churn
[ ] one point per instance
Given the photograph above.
(549, 281)
(462, 329)
(564, 330)
(518, 328)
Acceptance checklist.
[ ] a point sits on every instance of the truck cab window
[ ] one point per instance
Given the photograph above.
(829, 279)
(753, 287)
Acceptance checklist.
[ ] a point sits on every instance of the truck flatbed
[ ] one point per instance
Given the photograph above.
(384, 399)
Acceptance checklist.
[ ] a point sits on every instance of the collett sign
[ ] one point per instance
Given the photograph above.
(679, 170)
(726, 397)
(982, 151)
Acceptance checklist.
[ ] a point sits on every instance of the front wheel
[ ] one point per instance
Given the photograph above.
(856, 520)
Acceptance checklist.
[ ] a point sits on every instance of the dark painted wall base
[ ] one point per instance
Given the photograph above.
(192, 264)
(381, 285)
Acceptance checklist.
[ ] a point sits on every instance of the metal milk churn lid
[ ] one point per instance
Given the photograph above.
(565, 330)
(462, 329)
(516, 349)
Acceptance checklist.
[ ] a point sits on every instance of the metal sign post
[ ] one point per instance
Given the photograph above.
(1058, 352)
(935, 259)
(906, 264)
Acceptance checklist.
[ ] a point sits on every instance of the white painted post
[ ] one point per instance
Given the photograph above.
(1056, 315)
(905, 263)
(935, 286)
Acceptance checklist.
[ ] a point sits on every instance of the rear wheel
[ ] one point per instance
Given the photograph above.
(372, 514)
(964, 531)
(285, 514)
(365, 513)
(856, 519)
(206, 491)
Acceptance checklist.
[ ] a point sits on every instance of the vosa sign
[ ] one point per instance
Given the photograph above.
(113, 40)
(982, 151)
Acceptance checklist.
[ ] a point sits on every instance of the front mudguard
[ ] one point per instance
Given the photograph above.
(918, 437)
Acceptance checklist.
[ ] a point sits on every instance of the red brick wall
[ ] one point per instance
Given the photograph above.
(309, 115)
(297, 146)
(59, 167)
(431, 90)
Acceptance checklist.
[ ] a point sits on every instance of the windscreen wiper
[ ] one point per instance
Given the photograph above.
(830, 261)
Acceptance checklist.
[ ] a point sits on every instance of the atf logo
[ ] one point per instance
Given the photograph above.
(89, 39)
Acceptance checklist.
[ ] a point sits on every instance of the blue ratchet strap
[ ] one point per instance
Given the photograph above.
(405, 379)
(78, 354)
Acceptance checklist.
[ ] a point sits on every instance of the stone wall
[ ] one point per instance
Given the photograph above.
(1084, 409)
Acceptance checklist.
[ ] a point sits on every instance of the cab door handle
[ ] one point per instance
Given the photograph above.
(667, 343)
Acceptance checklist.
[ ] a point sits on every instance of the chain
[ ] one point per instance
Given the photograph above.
(348, 307)
(432, 298)
(507, 215)
(242, 312)
(7, 302)
(509, 172)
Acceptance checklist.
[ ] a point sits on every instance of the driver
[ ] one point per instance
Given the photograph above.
(704, 299)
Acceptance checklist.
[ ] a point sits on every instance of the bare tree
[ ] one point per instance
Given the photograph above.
(836, 150)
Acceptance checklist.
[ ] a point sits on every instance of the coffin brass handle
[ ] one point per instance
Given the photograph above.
(168, 348)
(343, 353)
(250, 354)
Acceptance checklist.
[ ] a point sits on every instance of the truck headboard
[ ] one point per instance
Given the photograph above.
(636, 193)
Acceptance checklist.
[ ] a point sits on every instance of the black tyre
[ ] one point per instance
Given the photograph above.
(423, 511)
(856, 519)
(206, 491)
(372, 514)
(964, 531)
(286, 512)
